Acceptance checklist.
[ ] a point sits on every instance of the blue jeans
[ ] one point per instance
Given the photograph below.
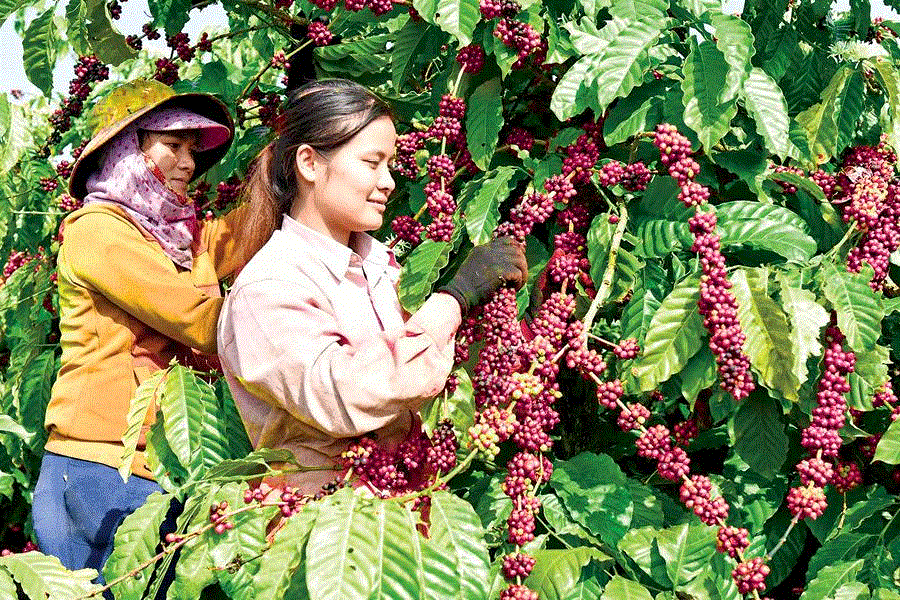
(77, 507)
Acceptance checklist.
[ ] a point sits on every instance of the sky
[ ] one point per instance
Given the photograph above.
(212, 18)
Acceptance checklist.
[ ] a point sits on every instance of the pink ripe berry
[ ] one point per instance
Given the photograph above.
(672, 144)
(452, 107)
(807, 502)
(319, 33)
(674, 464)
(518, 592)
(818, 438)
(517, 565)
(439, 166)
(521, 526)
(685, 431)
(445, 127)
(636, 177)
(693, 194)
(712, 512)
(441, 229)
(627, 349)
(491, 9)
(732, 540)
(380, 7)
(408, 229)
(750, 575)
(683, 170)
(609, 393)
(560, 188)
(702, 222)
(521, 138)
(586, 361)
(471, 58)
(633, 416)
(846, 477)
(611, 173)
(815, 471)
(654, 442)
(695, 490)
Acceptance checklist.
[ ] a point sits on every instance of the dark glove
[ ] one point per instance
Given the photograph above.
(486, 269)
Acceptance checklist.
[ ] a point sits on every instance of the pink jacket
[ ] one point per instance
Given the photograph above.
(315, 349)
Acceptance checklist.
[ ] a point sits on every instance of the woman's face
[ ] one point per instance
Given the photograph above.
(350, 188)
(173, 154)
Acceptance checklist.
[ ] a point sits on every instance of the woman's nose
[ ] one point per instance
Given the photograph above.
(386, 182)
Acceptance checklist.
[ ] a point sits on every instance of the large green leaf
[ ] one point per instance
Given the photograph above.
(870, 373)
(698, 374)
(483, 210)
(39, 50)
(640, 111)
(411, 41)
(625, 60)
(705, 72)
(108, 44)
(768, 343)
(735, 40)
(636, 9)
(8, 7)
(457, 535)
(42, 576)
(890, 80)
(592, 488)
(620, 588)
(830, 579)
(557, 573)
(687, 550)
(852, 106)
(76, 27)
(784, 561)
(135, 542)
(10, 425)
(286, 556)
(456, 17)
(172, 15)
(638, 314)
(766, 227)
(183, 404)
(144, 396)
(484, 120)
(888, 449)
(193, 570)
(820, 120)
(15, 135)
(420, 270)
(641, 547)
(7, 585)
(765, 103)
(807, 318)
(571, 94)
(757, 434)
(626, 268)
(675, 335)
(859, 310)
(757, 498)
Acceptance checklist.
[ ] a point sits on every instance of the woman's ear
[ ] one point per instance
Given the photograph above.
(305, 159)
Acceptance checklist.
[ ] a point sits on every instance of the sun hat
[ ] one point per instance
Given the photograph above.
(132, 100)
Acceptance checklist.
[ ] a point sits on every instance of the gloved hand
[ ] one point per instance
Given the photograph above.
(488, 267)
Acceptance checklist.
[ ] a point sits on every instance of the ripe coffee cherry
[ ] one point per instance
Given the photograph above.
(609, 393)
(654, 442)
(633, 416)
(471, 58)
(685, 432)
(693, 194)
(636, 177)
(518, 592)
(627, 349)
(452, 107)
(319, 33)
(517, 565)
(520, 525)
(846, 476)
(672, 145)
(751, 575)
(732, 540)
(807, 502)
(408, 229)
(684, 170)
(674, 464)
(611, 173)
(441, 455)
(560, 188)
(521, 138)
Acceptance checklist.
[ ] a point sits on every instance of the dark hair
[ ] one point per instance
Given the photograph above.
(324, 114)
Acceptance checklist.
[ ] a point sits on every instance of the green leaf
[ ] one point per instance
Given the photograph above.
(753, 495)
(182, 403)
(705, 73)
(641, 547)
(640, 111)
(170, 14)
(625, 60)
(757, 434)
(39, 50)
(648, 509)
(765, 103)
(483, 210)
(890, 80)
(556, 573)
(859, 311)
(76, 26)
(638, 314)
(807, 318)
(819, 121)
(592, 488)
(853, 591)
(10, 425)
(734, 39)
(286, 555)
(456, 17)
(136, 541)
(571, 95)
(805, 183)
(768, 343)
(420, 270)
(870, 373)
(7, 585)
(144, 396)
(851, 107)
(766, 227)
(830, 579)
(674, 335)
(457, 535)
(698, 374)
(888, 449)
(410, 42)
(193, 571)
(41, 576)
(785, 560)
(687, 550)
(108, 44)
(620, 588)
(484, 120)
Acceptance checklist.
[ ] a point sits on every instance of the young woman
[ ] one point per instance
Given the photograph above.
(312, 339)
(138, 286)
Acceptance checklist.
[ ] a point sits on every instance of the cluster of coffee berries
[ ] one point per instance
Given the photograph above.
(180, 43)
(717, 304)
(520, 138)
(88, 70)
(319, 33)
(378, 7)
(581, 156)
(218, 516)
(268, 105)
(166, 71)
(491, 9)
(17, 259)
(471, 58)
(751, 575)
(227, 192)
(524, 39)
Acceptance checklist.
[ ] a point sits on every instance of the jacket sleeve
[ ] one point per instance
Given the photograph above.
(283, 346)
(110, 256)
(222, 240)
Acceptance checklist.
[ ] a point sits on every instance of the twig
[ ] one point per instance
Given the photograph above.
(605, 285)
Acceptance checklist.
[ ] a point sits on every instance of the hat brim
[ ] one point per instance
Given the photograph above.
(203, 104)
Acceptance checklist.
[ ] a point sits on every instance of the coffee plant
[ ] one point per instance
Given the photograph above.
(692, 396)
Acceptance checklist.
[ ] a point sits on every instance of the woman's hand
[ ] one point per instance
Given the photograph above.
(486, 269)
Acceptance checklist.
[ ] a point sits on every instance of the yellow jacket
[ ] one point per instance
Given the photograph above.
(125, 311)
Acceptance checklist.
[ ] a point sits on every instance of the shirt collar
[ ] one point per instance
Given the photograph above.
(334, 255)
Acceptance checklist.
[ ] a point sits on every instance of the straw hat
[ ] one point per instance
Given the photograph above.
(129, 102)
